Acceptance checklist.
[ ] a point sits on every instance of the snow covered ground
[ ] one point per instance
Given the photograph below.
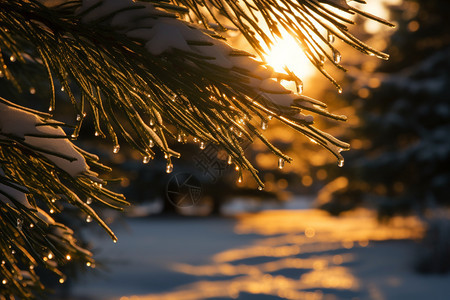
(277, 254)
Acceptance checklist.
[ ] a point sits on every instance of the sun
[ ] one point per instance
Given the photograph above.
(285, 52)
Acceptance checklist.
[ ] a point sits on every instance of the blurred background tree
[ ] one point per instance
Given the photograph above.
(401, 146)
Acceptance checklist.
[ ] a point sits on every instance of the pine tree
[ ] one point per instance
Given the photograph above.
(402, 166)
(146, 73)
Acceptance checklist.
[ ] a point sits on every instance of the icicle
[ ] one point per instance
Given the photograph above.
(116, 149)
(264, 124)
(330, 37)
(169, 168)
(88, 219)
(89, 200)
(229, 160)
(280, 163)
(337, 56)
(146, 159)
(151, 143)
(300, 87)
(19, 224)
(32, 90)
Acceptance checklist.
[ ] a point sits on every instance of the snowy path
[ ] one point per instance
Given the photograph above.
(271, 255)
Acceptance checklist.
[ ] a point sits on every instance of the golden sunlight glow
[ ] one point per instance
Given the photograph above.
(286, 52)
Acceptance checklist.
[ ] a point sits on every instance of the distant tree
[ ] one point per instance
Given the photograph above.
(402, 163)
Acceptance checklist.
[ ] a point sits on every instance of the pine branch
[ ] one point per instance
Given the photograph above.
(43, 172)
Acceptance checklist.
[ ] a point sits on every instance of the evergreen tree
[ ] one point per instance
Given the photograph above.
(402, 165)
(145, 73)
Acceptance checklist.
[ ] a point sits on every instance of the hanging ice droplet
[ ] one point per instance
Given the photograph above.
(169, 168)
(330, 37)
(151, 122)
(260, 188)
(50, 109)
(195, 140)
(340, 90)
(88, 219)
(280, 163)
(31, 225)
(53, 200)
(269, 118)
(179, 138)
(146, 159)
(151, 143)
(68, 257)
(229, 160)
(116, 149)
(337, 56)
(240, 179)
(237, 168)
(341, 163)
(12, 58)
(62, 89)
(264, 124)
(19, 224)
(52, 211)
(96, 133)
(32, 90)
(4, 281)
(202, 145)
(61, 280)
(89, 200)
(78, 117)
(300, 88)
